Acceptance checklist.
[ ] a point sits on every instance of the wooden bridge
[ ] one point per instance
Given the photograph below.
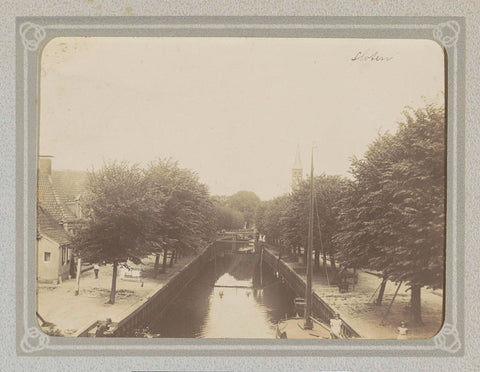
(235, 235)
(234, 286)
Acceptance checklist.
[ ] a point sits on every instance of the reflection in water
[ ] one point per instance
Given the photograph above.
(222, 303)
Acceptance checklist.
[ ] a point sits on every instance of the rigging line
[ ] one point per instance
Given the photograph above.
(320, 234)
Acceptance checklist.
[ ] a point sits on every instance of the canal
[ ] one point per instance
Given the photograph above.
(226, 301)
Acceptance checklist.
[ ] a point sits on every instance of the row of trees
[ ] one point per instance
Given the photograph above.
(133, 212)
(284, 220)
(390, 218)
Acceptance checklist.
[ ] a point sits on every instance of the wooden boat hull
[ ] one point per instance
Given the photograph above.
(293, 329)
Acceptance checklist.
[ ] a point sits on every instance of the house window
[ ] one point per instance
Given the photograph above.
(46, 256)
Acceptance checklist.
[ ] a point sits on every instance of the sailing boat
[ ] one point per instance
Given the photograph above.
(306, 327)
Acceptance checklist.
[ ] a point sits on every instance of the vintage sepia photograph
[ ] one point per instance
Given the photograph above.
(241, 187)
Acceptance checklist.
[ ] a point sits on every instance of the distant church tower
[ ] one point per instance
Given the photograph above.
(297, 171)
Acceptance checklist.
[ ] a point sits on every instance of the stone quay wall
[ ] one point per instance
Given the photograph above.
(155, 304)
(320, 309)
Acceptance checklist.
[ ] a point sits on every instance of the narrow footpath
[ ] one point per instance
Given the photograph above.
(58, 304)
(357, 306)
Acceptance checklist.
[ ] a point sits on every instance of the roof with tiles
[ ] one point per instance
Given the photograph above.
(47, 225)
(48, 198)
(70, 185)
(56, 193)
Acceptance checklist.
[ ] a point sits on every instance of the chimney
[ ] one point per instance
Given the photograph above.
(45, 164)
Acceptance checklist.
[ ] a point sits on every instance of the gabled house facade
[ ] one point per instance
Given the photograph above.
(54, 256)
(58, 210)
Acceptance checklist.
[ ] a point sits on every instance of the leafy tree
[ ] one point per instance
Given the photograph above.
(417, 183)
(183, 215)
(328, 190)
(274, 219)
(227, 218)
(394, 218)
(132, 213)
(115, 203)
(295, 229)
(260, 216)
(220, 200)
(364, 212)
(245, 202)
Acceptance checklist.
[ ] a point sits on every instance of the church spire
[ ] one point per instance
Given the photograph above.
(297, 170)
(297, 164)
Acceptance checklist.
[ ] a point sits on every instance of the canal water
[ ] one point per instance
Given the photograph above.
(225, 301)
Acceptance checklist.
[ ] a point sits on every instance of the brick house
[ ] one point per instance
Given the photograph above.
(58, 210)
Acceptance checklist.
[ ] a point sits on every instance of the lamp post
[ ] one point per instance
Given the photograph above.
(79, 270)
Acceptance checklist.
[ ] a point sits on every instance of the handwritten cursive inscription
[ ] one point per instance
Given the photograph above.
(369, 56)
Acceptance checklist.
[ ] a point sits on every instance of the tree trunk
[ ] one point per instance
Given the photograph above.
(332, 262)
(317, 259)
(382, 290)
(164, 264)
(172, 257)
(324, 259)
(114, 283)
(157, 261)
(416, 306)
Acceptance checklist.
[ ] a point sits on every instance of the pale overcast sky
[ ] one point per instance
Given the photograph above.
(232, 109)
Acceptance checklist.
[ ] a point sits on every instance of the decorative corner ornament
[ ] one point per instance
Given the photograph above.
(448, 339)
(34, 340)
(447, 33)
(32, 35)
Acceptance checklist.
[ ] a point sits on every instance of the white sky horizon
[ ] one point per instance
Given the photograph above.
(231, 109)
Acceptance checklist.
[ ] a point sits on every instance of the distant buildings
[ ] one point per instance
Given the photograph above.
(297, 171)
(58, 210)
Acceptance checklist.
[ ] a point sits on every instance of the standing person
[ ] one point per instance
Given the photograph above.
(402, 331)
(73, 269)
(336, 326)
(96, 269)
(342, 281)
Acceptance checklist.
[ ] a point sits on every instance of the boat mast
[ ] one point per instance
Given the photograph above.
(308, 292)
